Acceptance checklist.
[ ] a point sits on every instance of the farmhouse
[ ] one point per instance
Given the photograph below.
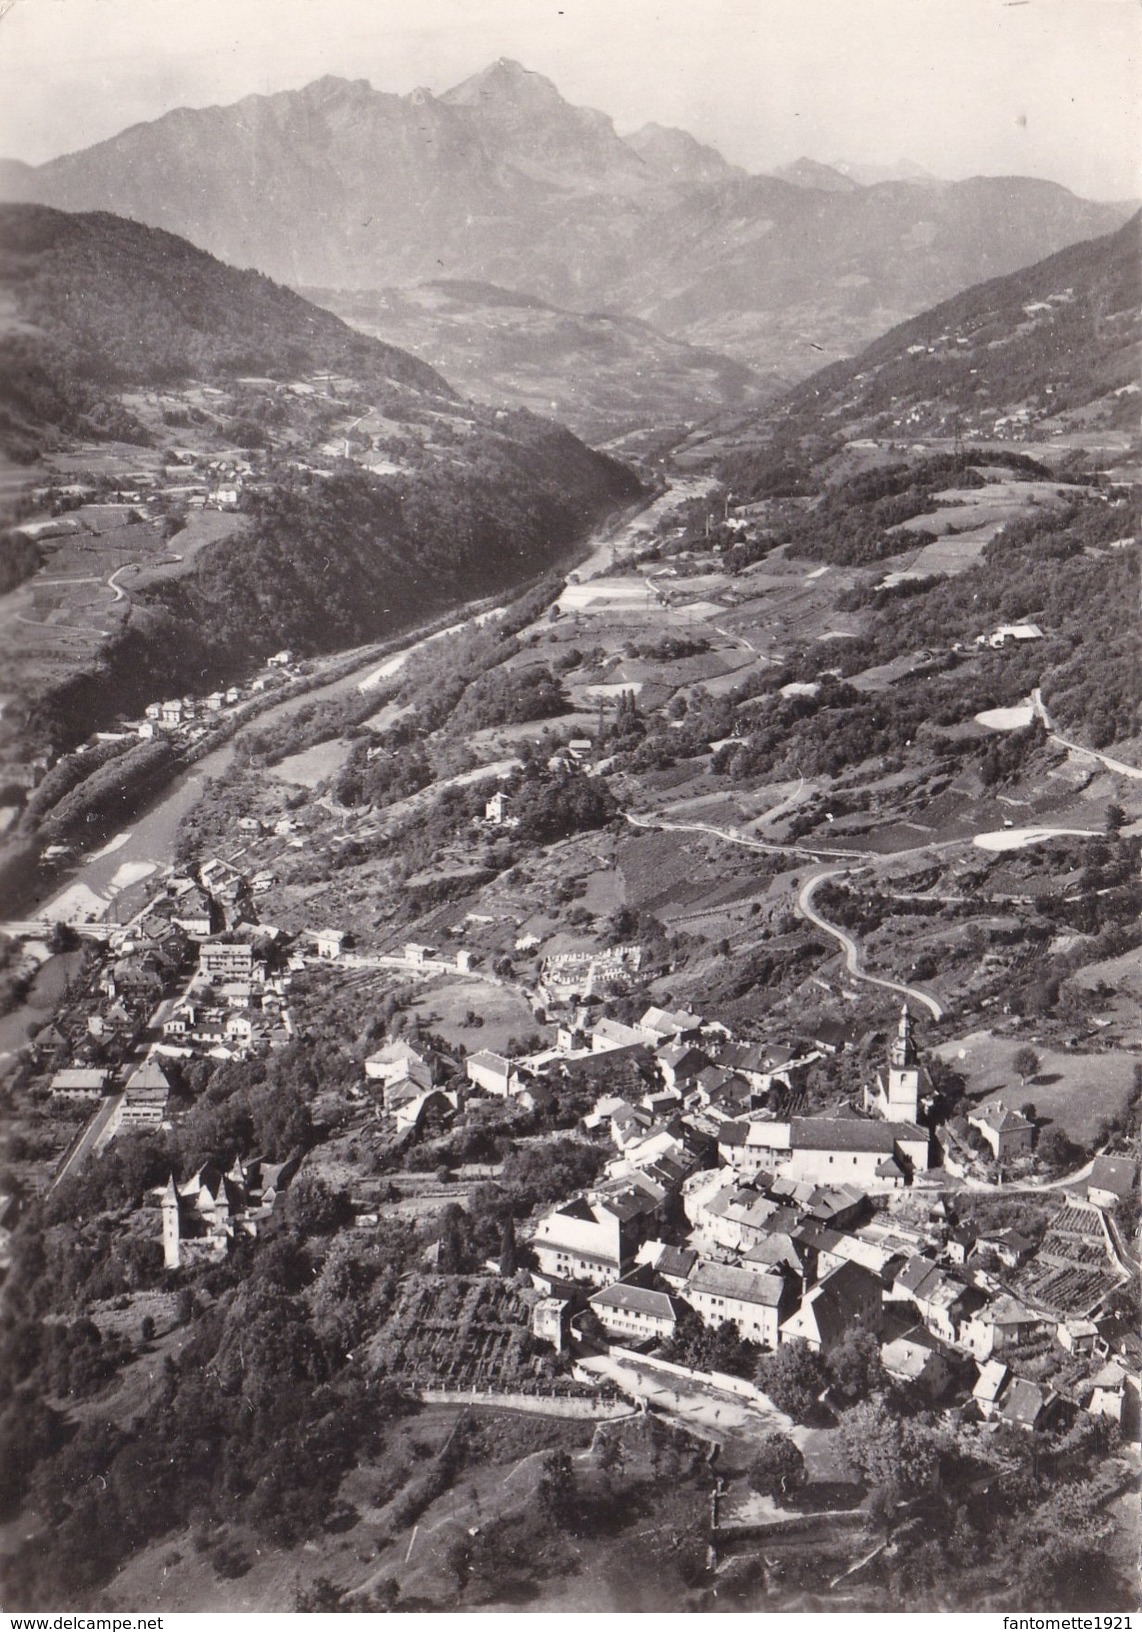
(491, 1072)
(1008, 1133)
(1019, 633)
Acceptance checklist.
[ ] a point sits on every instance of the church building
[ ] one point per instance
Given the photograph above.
(897, 1094)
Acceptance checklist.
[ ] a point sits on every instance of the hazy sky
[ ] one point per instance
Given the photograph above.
(962, 87)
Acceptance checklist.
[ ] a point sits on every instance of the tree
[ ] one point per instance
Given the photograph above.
(509, 1253)
(556, 1488)
(1026, 1062)
(1058, 1151)
(854, 1366)
(794, 1378)
(778, 1469)
(456, 1253)
(885, 1449)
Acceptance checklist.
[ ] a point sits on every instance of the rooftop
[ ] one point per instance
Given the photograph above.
(742, 1285)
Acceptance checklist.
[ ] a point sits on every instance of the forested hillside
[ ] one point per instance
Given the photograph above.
(334, 560)
(96, 303)
(1055, 343)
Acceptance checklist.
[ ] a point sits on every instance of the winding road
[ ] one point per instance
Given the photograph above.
(853, 859)
(852, 955)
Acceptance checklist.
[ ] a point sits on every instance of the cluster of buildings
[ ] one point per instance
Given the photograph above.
(203, 1217)
(192, 975)
(783, 1226)
(192, 718)
(567, 976)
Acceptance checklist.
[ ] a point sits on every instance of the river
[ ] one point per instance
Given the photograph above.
(107, 882)
(122, 860)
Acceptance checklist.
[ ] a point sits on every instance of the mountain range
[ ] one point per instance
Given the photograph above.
(502, 181)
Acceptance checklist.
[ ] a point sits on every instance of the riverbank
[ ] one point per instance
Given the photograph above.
(131, 846)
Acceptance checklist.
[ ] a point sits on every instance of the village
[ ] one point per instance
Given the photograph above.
(719, 1193)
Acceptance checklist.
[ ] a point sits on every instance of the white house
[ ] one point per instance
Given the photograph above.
(496, 810)
(752, 1147)
(391, 1063)
(628, 1310)
(584, 1240)
(491, 1072)
(751, 1299)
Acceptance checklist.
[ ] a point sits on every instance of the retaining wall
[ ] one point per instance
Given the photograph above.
(543, 1405)
(712, 1379)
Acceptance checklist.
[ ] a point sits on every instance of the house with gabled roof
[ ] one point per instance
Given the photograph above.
(489, 1071)
(680, 1063)
(791, 1258)
(1007, 1133)
(753, 1300)
(1116, 1393)
(630, 1310)
(916, 1360)
(594, 1238)
(1000, 1326)
(989, 1386)
(752, 1145)
(659, 1026)
(850, 1296)
(1027, 1405)
(611, 1034)
(736, 1218)
(942, 1302)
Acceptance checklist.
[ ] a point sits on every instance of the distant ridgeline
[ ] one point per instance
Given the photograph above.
(1054, 339)
(98, 304)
